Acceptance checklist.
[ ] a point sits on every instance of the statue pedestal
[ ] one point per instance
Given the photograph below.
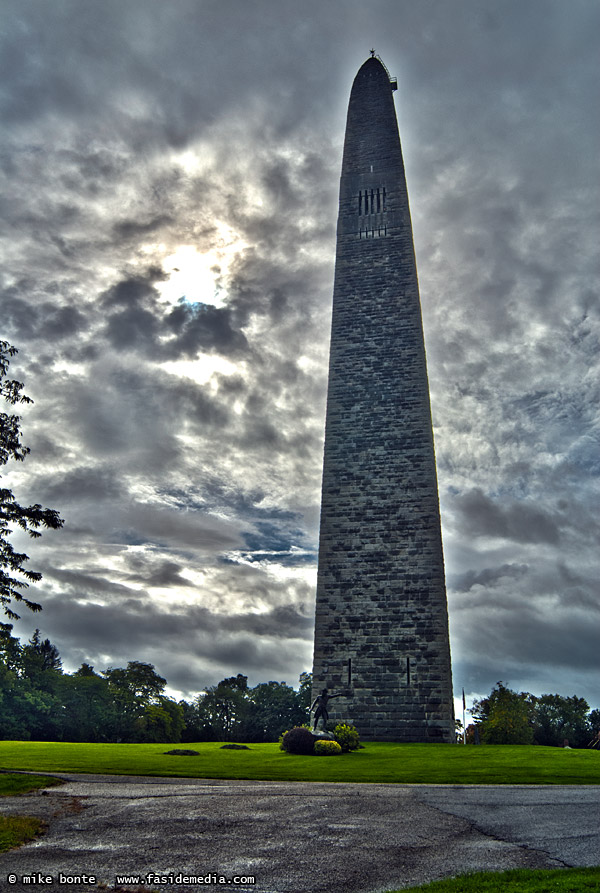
(323, 736)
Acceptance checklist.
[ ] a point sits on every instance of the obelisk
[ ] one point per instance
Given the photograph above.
(381, 630)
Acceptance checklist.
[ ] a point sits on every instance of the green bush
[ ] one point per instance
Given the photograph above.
(283, 734)
(346, 736)
(326, 748)
(298, 740)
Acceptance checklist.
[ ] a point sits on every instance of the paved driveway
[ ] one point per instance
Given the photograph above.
(296, 838)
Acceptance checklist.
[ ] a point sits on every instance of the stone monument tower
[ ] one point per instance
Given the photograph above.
(381, 632)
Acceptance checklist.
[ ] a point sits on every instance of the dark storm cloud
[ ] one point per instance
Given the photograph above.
(83, 484)
(132, 328)
(146, 569)
(182, 434)
(201, 327)
(523, 522)
(134, 229)
(158, 572)
(167, 526)
(164, 81)
(507, 641)
(487, 577)
(133, 291)
(45, 320)
(78, 586)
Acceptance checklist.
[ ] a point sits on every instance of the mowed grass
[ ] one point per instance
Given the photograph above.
(20, 784)
(377, 762)
(519, 880)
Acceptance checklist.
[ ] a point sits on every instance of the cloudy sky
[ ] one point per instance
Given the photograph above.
(169, 200)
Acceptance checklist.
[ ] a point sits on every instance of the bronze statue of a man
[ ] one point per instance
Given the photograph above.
(321, 703)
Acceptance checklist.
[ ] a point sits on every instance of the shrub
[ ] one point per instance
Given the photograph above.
(283, 734)
(346, 736)
(326, 748)
(298, 740)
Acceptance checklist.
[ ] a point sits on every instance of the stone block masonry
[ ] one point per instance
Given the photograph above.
(381, 627)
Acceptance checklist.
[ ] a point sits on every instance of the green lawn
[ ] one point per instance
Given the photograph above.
(519, 880)
(377, 762)
(20, 784)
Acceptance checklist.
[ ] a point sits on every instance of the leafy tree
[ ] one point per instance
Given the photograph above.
(274, 708)
(140, 679)
(85, 670)
(239, 682)
(508, 717)
(305, 692)
(558, 718)
(162, 721)
(176, 723)
(89, 712)
(505, 717)
(594, 721)
(132, 689)
(232, 711)
(27, 712)
(223, 708)
(28, 518)
(193, 729)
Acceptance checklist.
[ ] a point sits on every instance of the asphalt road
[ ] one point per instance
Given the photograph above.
(296, 838)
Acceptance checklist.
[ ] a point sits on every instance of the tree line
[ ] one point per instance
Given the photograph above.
(510, 717)
(40, 702)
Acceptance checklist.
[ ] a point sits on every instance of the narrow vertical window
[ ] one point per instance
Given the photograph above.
(408, 670)
(383, 200)
(349, 671)
(360, 203)
(378, 202)
(371, 201)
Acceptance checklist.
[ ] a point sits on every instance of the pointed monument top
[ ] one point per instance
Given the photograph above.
(371, 123)
(373, 62)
